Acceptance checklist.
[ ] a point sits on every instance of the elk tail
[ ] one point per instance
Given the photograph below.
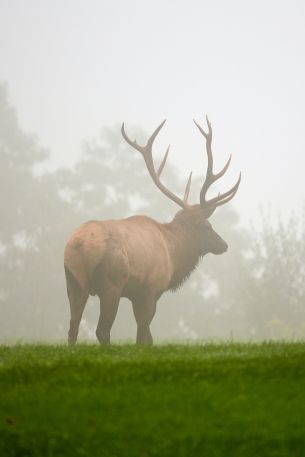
(72, 282)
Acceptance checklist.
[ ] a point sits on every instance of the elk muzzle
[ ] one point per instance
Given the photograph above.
(218, 245)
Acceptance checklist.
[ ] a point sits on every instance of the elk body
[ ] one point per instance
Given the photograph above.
(138, 257)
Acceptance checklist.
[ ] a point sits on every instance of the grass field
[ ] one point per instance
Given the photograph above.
(202, 400)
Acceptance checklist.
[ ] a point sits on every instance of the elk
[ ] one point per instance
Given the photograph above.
(138, 257)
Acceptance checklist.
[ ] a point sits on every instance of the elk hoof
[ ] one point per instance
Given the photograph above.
(103, 338)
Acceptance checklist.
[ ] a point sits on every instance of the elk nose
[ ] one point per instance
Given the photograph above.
(225, 247)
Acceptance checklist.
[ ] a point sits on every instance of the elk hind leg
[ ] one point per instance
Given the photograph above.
(109, 304)
(109, 278)
(77, 298)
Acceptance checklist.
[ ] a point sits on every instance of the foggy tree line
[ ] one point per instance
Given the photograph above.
(255, 291)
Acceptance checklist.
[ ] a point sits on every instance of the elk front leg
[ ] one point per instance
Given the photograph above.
(144, 312)
(109, 303)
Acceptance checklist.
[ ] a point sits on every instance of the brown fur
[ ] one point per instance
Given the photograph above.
(138, 258)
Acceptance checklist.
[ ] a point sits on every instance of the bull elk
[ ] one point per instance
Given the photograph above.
(138, 257)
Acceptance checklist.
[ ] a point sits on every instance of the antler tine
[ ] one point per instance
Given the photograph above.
(146, 151)
(222, 172)
(153, 136)
(160, 169)
(206, 135)
(187, 189)
(221, 199)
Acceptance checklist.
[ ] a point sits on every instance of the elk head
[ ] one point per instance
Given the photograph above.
(192, 217)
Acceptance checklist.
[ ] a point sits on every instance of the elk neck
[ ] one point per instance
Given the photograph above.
(185, 250)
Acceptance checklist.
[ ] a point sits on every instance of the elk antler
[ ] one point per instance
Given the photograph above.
(211, 177)
(146, 151)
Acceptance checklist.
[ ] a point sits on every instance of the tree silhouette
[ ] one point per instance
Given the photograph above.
(30, 233)
(275, 307)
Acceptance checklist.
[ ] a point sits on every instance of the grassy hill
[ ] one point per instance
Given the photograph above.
(202, 400)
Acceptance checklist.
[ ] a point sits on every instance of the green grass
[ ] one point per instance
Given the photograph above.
(203, 400)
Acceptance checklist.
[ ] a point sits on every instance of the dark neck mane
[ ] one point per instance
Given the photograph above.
(184, 251)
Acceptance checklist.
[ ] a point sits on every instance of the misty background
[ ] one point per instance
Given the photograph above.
(71, 72)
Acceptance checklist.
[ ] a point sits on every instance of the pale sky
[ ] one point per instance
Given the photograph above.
(74, 66)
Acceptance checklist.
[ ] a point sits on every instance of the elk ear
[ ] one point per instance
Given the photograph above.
(208, 211)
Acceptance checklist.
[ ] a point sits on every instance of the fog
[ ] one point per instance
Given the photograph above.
(73, 71)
